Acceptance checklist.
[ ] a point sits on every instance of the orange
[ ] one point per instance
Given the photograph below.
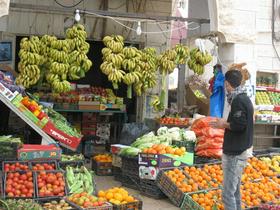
(109, 195)
(178, 152)
(118, 197)
(101, 193)
(129, 199)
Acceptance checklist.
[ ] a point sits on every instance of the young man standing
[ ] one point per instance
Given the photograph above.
(238, 138)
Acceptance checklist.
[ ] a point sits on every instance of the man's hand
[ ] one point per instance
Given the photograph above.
(219, 123)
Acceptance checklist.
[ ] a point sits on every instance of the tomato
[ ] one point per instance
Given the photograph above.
(59, 175)
(20, 181)
(56, 191)
(41, 194)
(30, 179)
(15, 179)
(24, 191)
(23, 177)
(31, 191)
(8, 189)
(42, 173)
(35, 168)
(29, 185)
(12, 168)
(40, 184)
(17, 192)
(100, 203)
(29, 174)
(9, 182)
(16, 174)
(17, 187)
(61, 194)
(22, 187)
(6, 169)
(51, 179)
(11, 194)
(47, 193)
(56, 183)
(29, 195)
(10, 175)
(22, 195)
(17, 164)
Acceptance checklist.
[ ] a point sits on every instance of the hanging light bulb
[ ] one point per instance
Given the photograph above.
(139, 30)
(77, 15)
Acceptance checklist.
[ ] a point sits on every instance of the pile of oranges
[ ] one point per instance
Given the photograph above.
(200, 176)
(210, 200)
(104, 158)
(250, 174)
(215, 171)
(266, 190)
(261, 167)
(116, 195)
(163, 149)
(179, 179)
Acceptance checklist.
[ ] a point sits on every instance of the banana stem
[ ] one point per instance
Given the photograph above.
(129, 91)
(115, 85)
(162, 93)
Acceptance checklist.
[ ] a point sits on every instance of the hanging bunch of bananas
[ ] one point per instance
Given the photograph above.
(198, 60)
(30, 62)
(182, 53)
(156, 104)
(130, 64)
(78, 60)
(59, 65)
(167, 61)
(147, 67)
(112, 59)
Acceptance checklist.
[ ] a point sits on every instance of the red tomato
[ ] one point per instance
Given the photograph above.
(24, 191)
(17, 164)
(35, 168)
(29, 174)
(51, 179)
(15, 179)
(30, 179)
(16, 174)
(12, 168)
(100, 203)
(17, 193)
(59, 175)
(11, 194)
(17, 187)
(9, 182)
(56, 183)
(29, 185)
(20, 181)
(40, 184)
(29, 195)
(31, 191)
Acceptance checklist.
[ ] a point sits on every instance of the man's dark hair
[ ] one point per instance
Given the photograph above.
(234, 78)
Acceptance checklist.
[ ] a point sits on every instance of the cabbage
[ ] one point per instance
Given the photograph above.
(162, 131)
(129, 151)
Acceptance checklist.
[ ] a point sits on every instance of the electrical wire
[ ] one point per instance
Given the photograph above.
(65, 6)
(144, 32)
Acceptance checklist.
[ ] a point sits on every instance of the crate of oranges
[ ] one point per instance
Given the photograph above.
(120, 199)
(206, 200)
(201, 174)
(174, 183)
(102, 165)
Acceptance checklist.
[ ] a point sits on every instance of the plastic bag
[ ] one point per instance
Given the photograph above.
(218, 96)
(132, 131)
(202, 122)
(212, 132)
(215, 153)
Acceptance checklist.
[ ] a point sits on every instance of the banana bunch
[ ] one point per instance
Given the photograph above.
(182, 53)
(156, 104)
(78, 60)
(114, 43)
(147, 66)
(167, 61)
(198, 60)
(56, 83)
(113, 59)
(30, 62)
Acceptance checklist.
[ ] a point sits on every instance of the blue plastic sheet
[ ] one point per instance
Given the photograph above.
(217, 98)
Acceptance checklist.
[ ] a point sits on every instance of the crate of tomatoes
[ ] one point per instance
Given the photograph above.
(174, 121)
(19, 184)
(44, 165)
(50, 184)
(15, 166)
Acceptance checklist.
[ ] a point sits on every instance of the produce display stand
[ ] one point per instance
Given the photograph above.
(3, 91)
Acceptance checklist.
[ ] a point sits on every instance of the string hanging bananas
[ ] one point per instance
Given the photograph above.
(30, 61)
(78, 60)
(198, 60)
(113, 59)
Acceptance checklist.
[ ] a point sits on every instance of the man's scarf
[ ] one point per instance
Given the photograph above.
(235, 92)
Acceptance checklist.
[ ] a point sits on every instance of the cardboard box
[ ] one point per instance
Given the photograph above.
(70, 142)
(148, 172)
(39, 152)
(165, 161)
(89, 105)
(202, 104)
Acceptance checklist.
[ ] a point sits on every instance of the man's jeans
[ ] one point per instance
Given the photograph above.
(233, 166)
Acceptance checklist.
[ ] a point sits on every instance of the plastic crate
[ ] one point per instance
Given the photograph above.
(14, 162)
(102, 168)
(169, 188)
(20, 172)
(117, 173)
(62, 164)
(50, 162)
(149, 188)
(11, 150)
(130, 166)
(136, 205)
(49, 200)
(189, 203)
(130, 182)
(48, 197)
(107, 206)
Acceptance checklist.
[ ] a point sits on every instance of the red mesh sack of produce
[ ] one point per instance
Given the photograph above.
(205, 143)
(200, 124)
(213, 132)
(215, 153)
